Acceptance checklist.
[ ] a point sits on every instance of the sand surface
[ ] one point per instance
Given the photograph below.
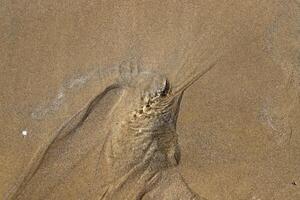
(239, 125)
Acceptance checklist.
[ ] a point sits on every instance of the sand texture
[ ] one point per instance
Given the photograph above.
(150, 100)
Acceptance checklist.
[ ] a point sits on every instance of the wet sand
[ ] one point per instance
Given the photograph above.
(238, 126)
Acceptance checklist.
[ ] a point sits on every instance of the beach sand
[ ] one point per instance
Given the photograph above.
(238, 127)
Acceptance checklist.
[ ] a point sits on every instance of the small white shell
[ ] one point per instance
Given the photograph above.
(24, 132)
